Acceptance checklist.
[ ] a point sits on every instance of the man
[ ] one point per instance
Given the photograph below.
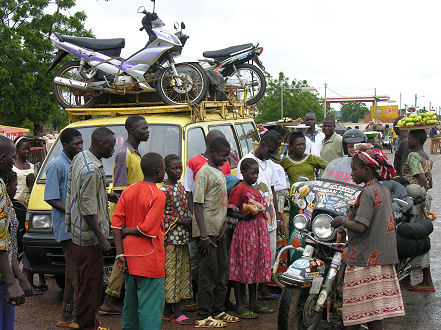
(87, 218)
(13, 290)
(332, 144)
(126, 171)
(433, 133)
(314, 139)
(267, 180)
(402, 150)
(55, 195)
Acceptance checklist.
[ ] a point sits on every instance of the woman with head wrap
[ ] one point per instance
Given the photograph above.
(371, 290)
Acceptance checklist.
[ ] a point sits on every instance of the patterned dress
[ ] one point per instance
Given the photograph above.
(176, 239)
(250, 254)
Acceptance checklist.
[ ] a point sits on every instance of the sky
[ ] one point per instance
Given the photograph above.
(354, 46)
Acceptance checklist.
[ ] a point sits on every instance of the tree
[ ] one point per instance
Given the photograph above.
(353, 111)
(26, 97)
(295, 102)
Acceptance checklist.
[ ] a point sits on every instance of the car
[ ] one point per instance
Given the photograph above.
(177, 130)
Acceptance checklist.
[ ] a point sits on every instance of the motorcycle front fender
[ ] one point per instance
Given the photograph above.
(58, 57)
(182, 59)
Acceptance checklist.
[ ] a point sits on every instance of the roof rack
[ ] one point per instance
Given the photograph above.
(231, 109)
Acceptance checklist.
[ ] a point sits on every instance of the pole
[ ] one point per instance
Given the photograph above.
(375, 100)
(281, 101)
(400, 105)
(324, 102)
(415, 100)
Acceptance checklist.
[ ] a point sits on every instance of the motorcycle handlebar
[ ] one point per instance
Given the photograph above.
(333, 245)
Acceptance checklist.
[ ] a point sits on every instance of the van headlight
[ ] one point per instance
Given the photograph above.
(300, 222)
(41, 221)
(321, 226)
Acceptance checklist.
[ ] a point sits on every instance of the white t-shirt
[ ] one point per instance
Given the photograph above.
(268, 178)
(314, 145)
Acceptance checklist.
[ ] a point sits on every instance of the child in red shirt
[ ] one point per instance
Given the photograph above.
(138, 231)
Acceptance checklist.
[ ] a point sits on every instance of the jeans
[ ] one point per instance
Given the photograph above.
(7, 311)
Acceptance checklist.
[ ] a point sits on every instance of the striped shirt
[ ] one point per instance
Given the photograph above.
(5, 220)
(86, 195)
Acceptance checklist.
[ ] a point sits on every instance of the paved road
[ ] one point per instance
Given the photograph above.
(422, 309)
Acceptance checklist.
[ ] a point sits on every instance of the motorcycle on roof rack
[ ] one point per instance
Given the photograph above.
(158, 67)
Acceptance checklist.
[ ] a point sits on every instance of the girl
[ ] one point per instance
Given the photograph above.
(371, 291)
(177, 221)
(418, 170)
(23, 168)
(250, 255)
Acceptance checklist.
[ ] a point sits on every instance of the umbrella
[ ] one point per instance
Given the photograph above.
(12, 132)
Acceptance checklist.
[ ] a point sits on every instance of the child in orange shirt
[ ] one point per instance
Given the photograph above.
(138, 231)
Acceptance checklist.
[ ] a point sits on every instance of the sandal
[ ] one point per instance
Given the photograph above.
(263, 310)
(224, 317)
(168, 318)
(420, 288)
(268, 296)
(249, 315)
(209, 322)
(68, 324)
(182, 320)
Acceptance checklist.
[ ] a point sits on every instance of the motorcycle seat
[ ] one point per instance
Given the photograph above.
(226, 52)
(113, 45)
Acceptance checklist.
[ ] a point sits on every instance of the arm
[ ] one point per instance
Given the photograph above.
(52, 190)
(23, 282)
(189, 186)
(13, 290)
(356, 226)
(118, 223)
(58, 204)
(93, 224)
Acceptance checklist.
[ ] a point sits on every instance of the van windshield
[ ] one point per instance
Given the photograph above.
(164, 139)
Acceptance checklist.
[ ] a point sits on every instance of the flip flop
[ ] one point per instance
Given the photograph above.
(168, 318)
(264, 310)
(420, 289)
(68, 324)
(249, 315)
(182, 320)
(116, 311)
(270, 297)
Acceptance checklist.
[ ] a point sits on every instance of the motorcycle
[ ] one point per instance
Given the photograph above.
(313, 284)
(158, 67)
(233, 63)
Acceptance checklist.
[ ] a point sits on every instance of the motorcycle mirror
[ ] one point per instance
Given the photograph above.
(302, 179)
(154, 3)
(182, 26)
(141, 10)
(176, 25)
(296, 242)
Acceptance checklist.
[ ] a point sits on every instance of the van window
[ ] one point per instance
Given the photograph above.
(195, 142)
(164, 139)
(231, 138)
(246, 134)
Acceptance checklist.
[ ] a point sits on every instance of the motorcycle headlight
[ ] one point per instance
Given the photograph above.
(300, 221)
(41, 221)
(321, 226)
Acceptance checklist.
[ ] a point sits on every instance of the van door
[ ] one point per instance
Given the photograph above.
(230, 134)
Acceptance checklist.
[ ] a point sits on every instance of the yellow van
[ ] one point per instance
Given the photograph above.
(177, 130)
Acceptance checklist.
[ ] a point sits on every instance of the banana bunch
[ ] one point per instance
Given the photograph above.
(423, 119)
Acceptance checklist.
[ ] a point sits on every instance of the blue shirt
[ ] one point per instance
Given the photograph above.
(56, 187)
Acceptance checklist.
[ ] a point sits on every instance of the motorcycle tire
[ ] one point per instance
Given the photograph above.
(253, 95)
(191, 91)
(73, 98)
(291, 310)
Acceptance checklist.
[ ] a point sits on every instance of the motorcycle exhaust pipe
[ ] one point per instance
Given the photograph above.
(76, 84)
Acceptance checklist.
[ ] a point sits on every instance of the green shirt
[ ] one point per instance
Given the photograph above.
(332, 148)
(305, 167)
(211, 191)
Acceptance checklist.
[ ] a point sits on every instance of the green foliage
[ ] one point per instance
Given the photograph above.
(26, 97)
(353, 111)
(295, 102)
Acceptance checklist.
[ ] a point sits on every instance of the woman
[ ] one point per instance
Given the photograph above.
(24, 169)
(417, 170)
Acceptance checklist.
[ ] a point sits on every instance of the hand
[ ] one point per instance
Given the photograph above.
(279, 227)
(185, 221)
(204, 244)
(337, 222)
(26, 287)
(15, 294)
(105, 245)
(113, 197)
(223, 231)
(122, 264)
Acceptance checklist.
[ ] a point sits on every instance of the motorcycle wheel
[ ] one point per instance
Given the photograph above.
(192, 90)
(69, 97)
(295, 310)
(252, 79)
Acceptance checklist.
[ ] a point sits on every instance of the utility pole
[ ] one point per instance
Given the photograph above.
(399, 111)
(375, 100)
(415, 100)
(281, 101)
(324, 103)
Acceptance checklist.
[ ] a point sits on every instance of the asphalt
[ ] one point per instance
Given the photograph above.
(422, 308)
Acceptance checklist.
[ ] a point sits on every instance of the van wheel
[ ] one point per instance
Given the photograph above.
(59, 278)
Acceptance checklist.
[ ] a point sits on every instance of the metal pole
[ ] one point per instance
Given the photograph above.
(324, 103)
(375, 100)
(399, 111)
(415, 100)
(281, 102)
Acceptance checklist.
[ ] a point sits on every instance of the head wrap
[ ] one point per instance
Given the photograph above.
(376, 160)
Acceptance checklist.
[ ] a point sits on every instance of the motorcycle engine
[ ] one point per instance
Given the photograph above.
(124, 82)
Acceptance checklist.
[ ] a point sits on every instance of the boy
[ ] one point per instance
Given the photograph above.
(139, 217)
(210, 208)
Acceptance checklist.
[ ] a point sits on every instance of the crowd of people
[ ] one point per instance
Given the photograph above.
(184, 246)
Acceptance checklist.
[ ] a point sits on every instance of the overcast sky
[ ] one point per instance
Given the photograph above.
(352, 45)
